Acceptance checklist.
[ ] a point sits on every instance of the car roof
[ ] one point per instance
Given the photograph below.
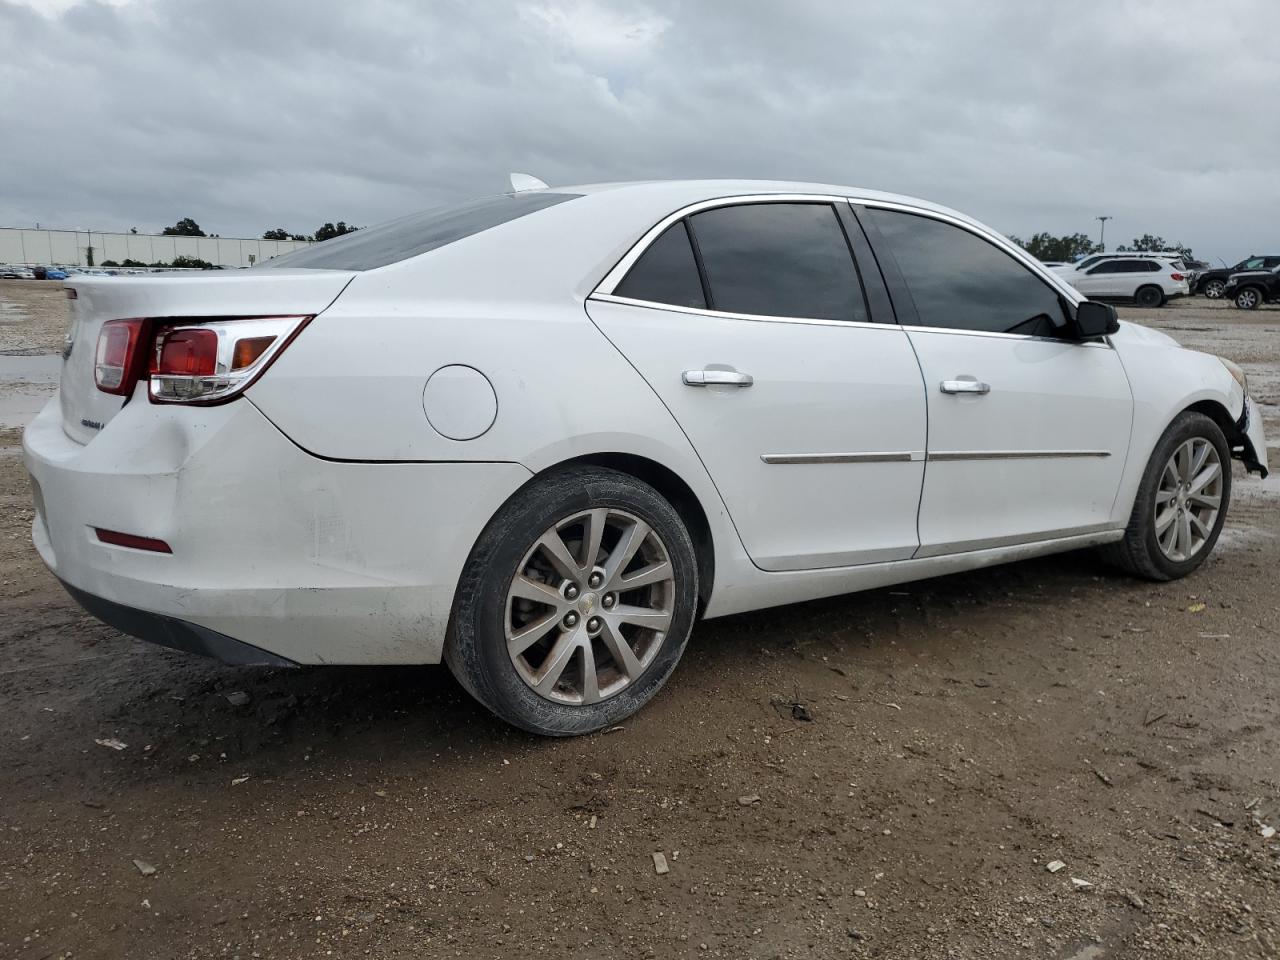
(684, 192)
(572, 246)
(1171, 254)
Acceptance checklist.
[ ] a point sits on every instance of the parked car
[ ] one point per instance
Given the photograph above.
(49, 273)
(15, 272)
(1147, 281)
(1213, 283)
(1095, 258)
(1252, 288)
(538, 435)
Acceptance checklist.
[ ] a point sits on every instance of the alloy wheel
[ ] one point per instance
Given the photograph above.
(1214, 289)
(589, 606)
(1247, 299)
(1188, 499)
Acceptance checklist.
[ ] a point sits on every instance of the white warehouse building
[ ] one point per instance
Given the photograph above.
(70, 248)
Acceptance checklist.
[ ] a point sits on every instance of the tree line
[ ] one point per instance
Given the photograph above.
(187, 227)
(1073, 246)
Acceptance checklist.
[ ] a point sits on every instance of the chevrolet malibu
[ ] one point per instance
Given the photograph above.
(538, 435)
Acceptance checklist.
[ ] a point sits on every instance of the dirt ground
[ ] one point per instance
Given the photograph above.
(879, 775)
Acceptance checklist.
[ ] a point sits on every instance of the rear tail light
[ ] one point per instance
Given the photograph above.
(118, 362)
(190, 361)
(1177, 277)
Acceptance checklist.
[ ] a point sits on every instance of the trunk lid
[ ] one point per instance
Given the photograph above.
(85, 408)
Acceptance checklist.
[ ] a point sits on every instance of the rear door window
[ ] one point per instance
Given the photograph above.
(666, 272)
(417, 233)
(778, 260)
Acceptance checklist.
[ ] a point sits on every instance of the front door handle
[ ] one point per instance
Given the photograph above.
(965, 386)
(717, 378)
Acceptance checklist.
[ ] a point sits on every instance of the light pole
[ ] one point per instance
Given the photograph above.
(1102, 234)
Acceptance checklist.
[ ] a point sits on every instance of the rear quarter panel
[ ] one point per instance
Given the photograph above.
(351, 388)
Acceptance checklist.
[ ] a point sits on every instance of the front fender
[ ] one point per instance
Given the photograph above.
(1166, 380)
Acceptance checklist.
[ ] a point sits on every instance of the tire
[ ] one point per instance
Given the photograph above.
(1248, 298)
(1214, 289)
(510, 558)
(1149, 297)
(1141, 552)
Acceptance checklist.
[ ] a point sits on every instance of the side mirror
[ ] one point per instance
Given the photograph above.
(1094, 319)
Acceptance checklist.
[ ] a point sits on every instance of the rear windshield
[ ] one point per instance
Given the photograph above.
(417, 233)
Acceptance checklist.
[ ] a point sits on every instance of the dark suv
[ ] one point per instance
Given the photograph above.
(1252, 288)
(1213, 283)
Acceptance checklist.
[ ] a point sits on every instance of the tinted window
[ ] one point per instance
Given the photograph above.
(1253, 264)
(666, 272)
(959, 280)
(779, 260)
(417, 233)
(1110, 266)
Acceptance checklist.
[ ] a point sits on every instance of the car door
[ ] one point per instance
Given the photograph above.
(749, 320)
(1110, 278)
(1028, 432)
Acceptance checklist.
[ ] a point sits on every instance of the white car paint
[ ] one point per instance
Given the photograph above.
(1046, 396)
(324, 515)
(1098, 279)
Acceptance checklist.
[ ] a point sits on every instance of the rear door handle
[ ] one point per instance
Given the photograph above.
(717, 378)
(965, 386)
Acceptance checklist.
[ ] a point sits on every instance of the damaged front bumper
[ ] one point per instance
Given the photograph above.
(1249, 446)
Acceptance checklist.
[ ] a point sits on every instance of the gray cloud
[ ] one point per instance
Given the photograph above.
(247, 115)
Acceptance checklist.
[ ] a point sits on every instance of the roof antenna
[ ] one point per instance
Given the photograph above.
(521, 182)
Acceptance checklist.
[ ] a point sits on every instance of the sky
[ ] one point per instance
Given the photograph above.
(1030, 116)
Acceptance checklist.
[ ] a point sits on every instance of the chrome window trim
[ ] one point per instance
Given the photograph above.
(953, 455)
(620, 269)
(725, 315)
(604, 289)
(904, 456)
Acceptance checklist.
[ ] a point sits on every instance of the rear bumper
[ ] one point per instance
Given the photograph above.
(176, 634)
(302, 560)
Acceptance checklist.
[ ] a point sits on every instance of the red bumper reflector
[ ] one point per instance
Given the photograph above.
(131, 540)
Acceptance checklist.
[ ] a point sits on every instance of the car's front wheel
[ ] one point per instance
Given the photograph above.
(1181, 503)
(576, 603)
(1248, 299)
(1214, 289)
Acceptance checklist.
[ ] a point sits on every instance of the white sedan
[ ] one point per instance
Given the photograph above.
(539, 435)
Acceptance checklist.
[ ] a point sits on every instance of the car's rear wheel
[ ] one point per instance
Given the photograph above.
(1250, 298)
(1214, 289)
(1181, 503)
(1149, 297)
(576, 602)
